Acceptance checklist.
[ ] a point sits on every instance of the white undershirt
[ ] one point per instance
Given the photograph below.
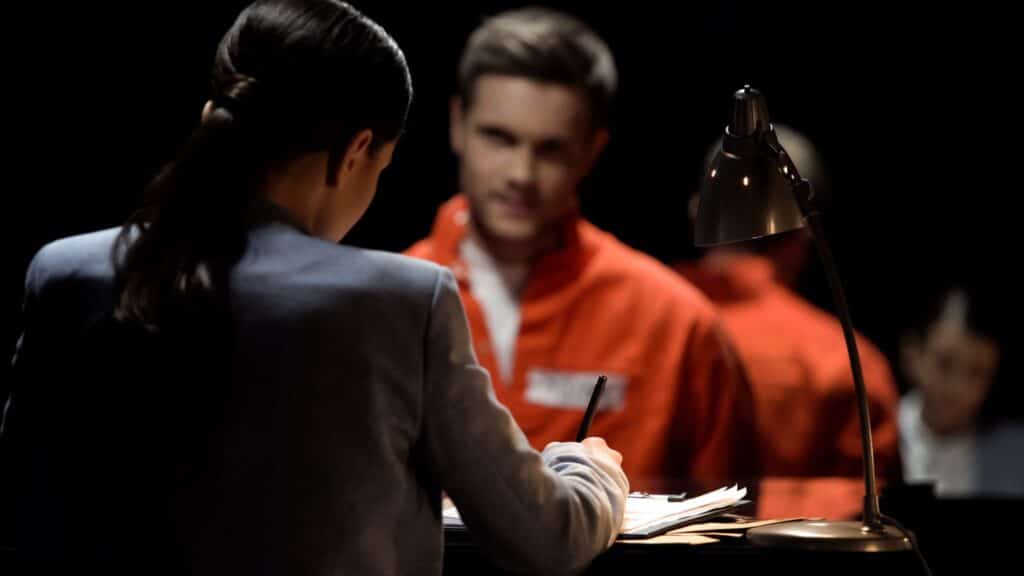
(496, 286)
(946, 461)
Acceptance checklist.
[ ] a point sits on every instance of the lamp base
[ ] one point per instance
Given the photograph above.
(847, 536)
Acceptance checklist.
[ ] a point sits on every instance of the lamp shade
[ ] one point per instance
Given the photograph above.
(747, 189)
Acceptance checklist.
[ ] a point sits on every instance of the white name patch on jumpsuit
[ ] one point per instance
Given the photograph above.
(572, 389)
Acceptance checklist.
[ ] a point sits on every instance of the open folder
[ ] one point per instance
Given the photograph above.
(649, 515)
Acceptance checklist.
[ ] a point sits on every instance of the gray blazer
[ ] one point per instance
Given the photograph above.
(359, 399)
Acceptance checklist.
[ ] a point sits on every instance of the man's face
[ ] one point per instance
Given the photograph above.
(523, 147)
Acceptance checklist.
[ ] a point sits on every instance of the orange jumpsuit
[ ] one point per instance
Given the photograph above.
(806, 411)
(676, 405)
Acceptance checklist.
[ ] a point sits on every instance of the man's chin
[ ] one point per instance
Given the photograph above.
(511, 230)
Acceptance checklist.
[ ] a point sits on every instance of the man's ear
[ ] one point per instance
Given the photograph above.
(598, 142)
(456, 125)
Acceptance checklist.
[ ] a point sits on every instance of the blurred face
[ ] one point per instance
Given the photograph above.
(953, 368)
(523, 148)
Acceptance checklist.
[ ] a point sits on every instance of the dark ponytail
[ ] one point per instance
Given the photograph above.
(291, 77)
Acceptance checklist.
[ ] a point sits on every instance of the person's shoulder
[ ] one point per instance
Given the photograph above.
(637, 273)
(83, 257)
(401, 269)
(306, 265)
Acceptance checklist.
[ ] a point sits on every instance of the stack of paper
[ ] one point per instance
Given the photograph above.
(651, 514)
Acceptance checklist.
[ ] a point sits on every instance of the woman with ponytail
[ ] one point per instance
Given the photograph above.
(217, 387)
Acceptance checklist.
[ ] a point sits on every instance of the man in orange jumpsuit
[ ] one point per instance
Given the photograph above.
(796, 359)
(553, 301)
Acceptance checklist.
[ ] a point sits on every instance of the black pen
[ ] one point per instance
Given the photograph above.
(588, 416)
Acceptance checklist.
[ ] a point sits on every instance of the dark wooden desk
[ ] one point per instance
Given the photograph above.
(727, 557)
(966, 536)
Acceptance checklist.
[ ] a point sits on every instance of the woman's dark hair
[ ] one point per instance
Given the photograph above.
(290, 77)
